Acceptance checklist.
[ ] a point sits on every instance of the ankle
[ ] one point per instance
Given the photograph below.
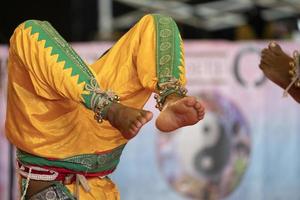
(112, 111)
(172, 98)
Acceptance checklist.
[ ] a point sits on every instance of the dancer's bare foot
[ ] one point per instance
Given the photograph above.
(127, 120)
(275, 65)
(179, 112)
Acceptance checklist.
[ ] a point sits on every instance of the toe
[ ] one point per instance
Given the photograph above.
(147, 117)
(201, 116)
(133, 129)
(189, 101)
(262, 66)
(137, 123)
(266, 59)
(142, 120)
(201, 109)
(198, 105)
(129, 134)
(267, 53)
(275, 48)
(264, 51)
(201, 113)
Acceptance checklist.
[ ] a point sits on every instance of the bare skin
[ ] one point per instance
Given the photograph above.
(177, 112)
(275, 65)
(128, 120)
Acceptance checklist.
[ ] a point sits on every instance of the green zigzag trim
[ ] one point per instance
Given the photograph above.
(64, 51)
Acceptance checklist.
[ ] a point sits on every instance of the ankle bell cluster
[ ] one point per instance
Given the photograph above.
(105, 99)
(165, 89)
(101, 100)
(295, 71)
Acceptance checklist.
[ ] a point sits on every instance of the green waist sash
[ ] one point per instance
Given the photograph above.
(89, 163)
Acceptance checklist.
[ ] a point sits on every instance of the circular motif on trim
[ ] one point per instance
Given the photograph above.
(165, 46)
(164, 59)
(50, 195)
(164, 72)
(102, 159)
(87, 162)
(165, 33)
(165, 20)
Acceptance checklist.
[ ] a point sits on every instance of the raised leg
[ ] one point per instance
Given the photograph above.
(59, 73)
(148, 56)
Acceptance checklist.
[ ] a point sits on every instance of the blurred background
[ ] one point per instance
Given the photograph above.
(248, 145)
(78, 20)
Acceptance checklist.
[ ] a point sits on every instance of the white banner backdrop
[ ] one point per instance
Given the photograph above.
(247, 147)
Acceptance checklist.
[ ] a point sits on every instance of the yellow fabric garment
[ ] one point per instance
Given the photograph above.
(45, 116)
(108, 191)
(45, 113)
